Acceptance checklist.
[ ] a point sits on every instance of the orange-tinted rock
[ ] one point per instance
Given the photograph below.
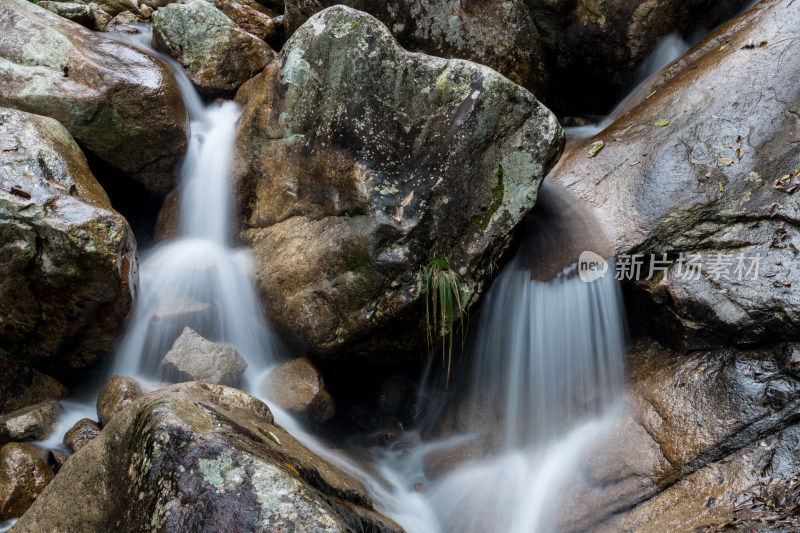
(24, 474)
(298, 387)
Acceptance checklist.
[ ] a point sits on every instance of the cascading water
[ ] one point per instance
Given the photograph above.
(198, 280)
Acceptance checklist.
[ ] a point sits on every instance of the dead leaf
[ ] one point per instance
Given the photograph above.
(407, 199)
(732, 421)
(595, 148)
(16, 191)
(695, 161)
(721, 188)
(293, 469)
(787, 283)
(774, 210)
(708, 174)
(739, 153)
(727, 145)
(661, 123)
(724, 161)
(739, 139)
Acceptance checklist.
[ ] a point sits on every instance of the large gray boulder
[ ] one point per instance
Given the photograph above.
(697, 169)
(501, 34)
(121, 104)
(360, 162)
(218, 55)
(68, 261)
(189, 458)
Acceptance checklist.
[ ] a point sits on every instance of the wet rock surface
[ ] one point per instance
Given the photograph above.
(118, 393)
(345, 202)
(23, 476)
(198, 454)
(699, 428)
(81, 434)
(121, 104)
(502, 35)
(218, 55)
(69, 259)
(704, 171)
(195, 358)
(35, 422)
(298, 387)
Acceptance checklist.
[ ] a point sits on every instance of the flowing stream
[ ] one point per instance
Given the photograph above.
(545, 355)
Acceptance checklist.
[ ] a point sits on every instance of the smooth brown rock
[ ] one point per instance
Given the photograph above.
(35, 422)
(118, 393)
(345, 203)
(81, 434)
(253, 21)
(298, 387)
(121, 104)
(115, 7)
(69, 259)
(24, 474)
(123, 23)
(21, 386)
(193, 455)
(195, 358)
(702, 183)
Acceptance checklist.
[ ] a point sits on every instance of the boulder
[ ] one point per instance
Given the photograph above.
(253, 20)
(21, 386)
(35, 422)
(359, 163)
(298, 387)
(80, 13)
(23, 476)
(117, 394)
(218, 55)
(71, 265)
(121, 104)
(182, 458)
(80, 434)
(123, 23)
(501, 34)
(700, 430)
(194, 358)
(704, 171)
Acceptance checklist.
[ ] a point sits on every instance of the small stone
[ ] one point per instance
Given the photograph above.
(195, 358)
(81, 434)
(145, 11)
(23, 476)
(118, 393)
(30, 423)
(298, 387)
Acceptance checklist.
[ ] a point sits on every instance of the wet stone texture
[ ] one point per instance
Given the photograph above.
(218, 55)
(705, 167)
(359, 162)
(69, 260)
(193, 457)
(121, 104)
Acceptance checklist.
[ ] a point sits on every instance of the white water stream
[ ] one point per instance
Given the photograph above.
(550, 353)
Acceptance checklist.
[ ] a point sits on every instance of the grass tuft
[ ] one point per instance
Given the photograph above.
(444, 306)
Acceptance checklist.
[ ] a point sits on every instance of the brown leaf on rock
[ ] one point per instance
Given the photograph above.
(724, 161)
(774, 210)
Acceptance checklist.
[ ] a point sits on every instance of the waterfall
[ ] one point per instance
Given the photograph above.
(199, 279)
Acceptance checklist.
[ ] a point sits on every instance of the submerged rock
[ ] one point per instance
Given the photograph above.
(35, 422)
(360, 162)
(195, 358)
(298, 387)
(117, 394)
(70, 261)
(501, 34)
(704, 172)
(217, 54)
(121, 104)
(184, 458)
(23, 476)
